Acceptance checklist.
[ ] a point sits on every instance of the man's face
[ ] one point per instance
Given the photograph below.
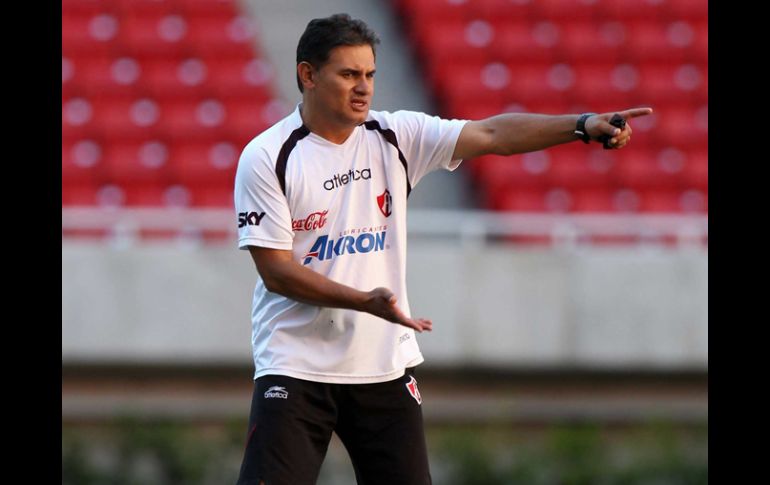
(344, 86)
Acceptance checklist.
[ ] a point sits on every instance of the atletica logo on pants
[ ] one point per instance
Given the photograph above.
(277, 392)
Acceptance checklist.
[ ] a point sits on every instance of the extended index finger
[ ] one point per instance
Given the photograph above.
(633, 113)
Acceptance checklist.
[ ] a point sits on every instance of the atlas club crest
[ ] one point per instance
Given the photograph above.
(411, 386)
(385, 201)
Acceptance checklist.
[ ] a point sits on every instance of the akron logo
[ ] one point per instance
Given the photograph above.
(385, 201)
(411, 386)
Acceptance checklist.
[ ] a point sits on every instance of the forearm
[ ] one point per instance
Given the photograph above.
(513, 133)
(292, 280)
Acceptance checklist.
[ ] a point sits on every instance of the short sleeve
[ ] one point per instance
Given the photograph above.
(262, 211)
(427, 142)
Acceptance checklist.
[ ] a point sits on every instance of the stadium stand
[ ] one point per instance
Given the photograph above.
(159, 96)
(489, 56)
(158, 99)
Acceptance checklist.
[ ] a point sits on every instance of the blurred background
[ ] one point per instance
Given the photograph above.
(568, 287)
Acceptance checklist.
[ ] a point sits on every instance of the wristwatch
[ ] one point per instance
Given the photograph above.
(580, 128)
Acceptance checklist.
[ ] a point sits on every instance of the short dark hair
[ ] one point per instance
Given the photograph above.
(323, 35)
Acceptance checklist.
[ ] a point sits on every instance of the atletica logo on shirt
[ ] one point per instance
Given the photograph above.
(277, 392)
(325, 248)
(345, 178)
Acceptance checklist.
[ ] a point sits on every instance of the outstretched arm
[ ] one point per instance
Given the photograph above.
(282, 275)
(511, 133)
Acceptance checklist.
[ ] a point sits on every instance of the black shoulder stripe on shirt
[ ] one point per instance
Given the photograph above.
(283, 155)
(390, 137)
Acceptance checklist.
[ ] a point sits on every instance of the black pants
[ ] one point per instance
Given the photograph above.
(292, 420)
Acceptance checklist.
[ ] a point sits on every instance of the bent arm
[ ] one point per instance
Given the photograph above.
(282, 275)
(512, 133)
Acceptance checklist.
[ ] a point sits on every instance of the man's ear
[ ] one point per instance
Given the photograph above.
(306, 74)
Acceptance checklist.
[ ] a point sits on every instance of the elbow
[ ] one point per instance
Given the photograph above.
(272, 284)
(500, 144)
(272, 280)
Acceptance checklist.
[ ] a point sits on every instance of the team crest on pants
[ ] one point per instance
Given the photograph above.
(385, 201)
(411, 386)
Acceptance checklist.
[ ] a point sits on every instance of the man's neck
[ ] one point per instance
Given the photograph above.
(324, 126)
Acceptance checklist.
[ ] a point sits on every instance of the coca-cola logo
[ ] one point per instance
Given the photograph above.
(314, 221)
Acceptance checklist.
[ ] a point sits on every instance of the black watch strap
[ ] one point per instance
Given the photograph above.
(580, 128)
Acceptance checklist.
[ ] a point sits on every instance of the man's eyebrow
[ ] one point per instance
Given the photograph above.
(356, 71)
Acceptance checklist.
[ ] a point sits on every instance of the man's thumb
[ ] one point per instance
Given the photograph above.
(608, 129)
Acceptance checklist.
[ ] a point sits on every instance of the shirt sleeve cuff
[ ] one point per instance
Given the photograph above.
(245, 242)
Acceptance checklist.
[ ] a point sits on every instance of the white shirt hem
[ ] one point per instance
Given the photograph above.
(339, 378)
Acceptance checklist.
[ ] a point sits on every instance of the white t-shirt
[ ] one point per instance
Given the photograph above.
(342, 214)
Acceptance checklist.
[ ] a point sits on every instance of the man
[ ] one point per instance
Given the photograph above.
(321, 199)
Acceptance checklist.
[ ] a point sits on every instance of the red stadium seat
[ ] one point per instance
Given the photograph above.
(696, 170)
(82, 162)
(644, 169)
(193, 119)
(138, 162)
(577, 166)
(661, 200)
(701, 47)
(155, 35)
(689, 9)
(460, 109)
(240, 78)
(497, 174)
(210, 164)
(246, 118)
(569, 9)
(212, 197)
(423, 11)
(222, 35)
(78, 194)
(538, 82)
(177, 78)
(74, 7)
(473, 82)
(593, 200)
(128, 117)
(660, 41)
(204, 7)
(656, 10)
(521, 200)
(684, 126)
(673, 82)
(606, 84)
(92, 33)
(146, 7)
(524, 42)
(457, 41)
(589, 40)
(78, 118)
(107, 76)
(504, 10)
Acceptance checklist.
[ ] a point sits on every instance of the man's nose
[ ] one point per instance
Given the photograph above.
(364, 86)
